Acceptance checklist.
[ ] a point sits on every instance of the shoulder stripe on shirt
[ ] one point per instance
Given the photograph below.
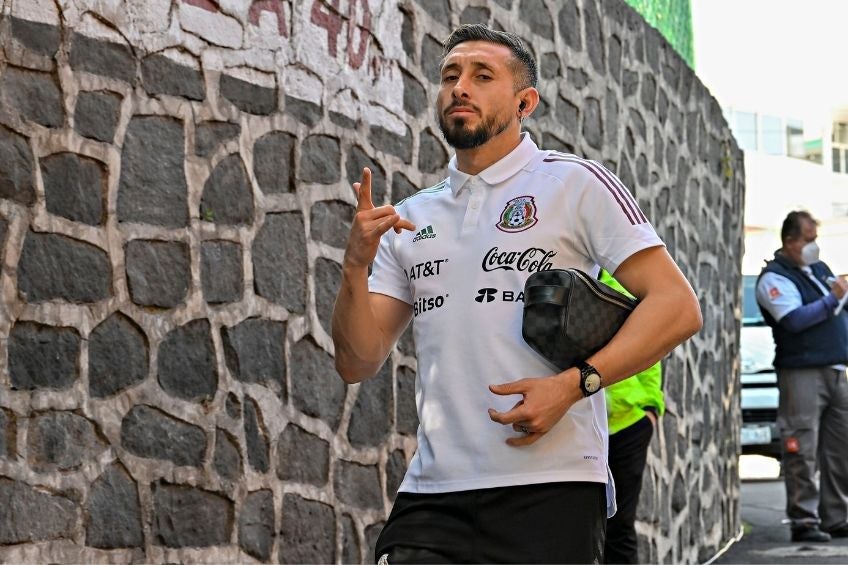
(622, 196)
(435, 188)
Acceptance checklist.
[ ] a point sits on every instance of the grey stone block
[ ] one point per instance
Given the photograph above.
(569, 24)
(38, 37)
(402, 187)
(395, 471)
(537, 17)
(190, 517)
(371, 416)
(149, 432)
(372, 533)
(327, 277)
(61, 441)
(34, 95)
(209, 135)
(75, 187)
(158, 272)
(227, 458)
(414, 96)
(611, 124)
(16, 176)
(102, 58)
(273, 162)
(152, 187)
(407, 35)
(552, 142)
(648, 92)
(330, 222)
(406, 342)
(431, 55)
(233, 406)
(256, 525)
(227, 195)
(113, 511)
(576, 77)
(358, 159)
(249, 97)
(43, 356)
(407, 414)
(350, 541)
(316, 389)
(254, 351)
(320, 159)
(221, 271)
(392, 143)
(55, 267)
(614, 57)
(593, 127)
(279, 261)
(118, 356)
(31, 514)
(341, 120)
(8, 434)
(186, 363)
(307, 532)
(630, 83)
(255, 437)
(97, 114)
(432, 156)
(593, 25)
(358, 485)
(303, 110)
(474, 15)
(439, 10)
(162, 75)
(567, 114)
(638, 123)
(302, 457)
(549, 65)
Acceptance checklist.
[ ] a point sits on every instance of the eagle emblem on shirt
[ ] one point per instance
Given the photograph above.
(519, 214)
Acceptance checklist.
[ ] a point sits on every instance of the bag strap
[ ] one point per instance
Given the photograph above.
(545, 294)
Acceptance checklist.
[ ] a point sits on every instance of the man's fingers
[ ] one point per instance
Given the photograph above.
(404, 224)
(523, 440)
(515, 387)
(363, 191)
(513, 416)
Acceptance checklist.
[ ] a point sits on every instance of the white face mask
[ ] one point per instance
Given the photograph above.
(810, 253)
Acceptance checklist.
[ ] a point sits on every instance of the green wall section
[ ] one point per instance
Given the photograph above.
(673, 19)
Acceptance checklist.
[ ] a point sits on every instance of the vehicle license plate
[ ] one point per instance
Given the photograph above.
(756, 435)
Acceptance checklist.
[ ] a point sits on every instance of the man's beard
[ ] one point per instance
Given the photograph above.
(459, 136)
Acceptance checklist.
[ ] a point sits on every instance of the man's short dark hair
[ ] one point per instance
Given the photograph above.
(792, 224)
(524, 66)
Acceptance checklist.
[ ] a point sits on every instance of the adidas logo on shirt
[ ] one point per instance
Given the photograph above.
(426, 233)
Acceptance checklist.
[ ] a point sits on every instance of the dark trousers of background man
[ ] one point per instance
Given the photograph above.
(813, 420)
(628, 451)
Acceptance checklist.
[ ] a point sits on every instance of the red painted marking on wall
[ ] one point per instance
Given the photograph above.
(275, 6)
(208, 5)
(329, 19)
(357, 57)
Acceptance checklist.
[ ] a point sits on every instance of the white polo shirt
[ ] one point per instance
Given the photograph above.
(479, 238)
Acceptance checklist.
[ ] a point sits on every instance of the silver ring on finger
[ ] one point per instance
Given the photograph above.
(524, 429)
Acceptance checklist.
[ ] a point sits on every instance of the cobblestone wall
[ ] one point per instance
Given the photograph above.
(174, 201)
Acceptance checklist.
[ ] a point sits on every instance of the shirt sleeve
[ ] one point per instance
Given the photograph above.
(612, 224)
(387, 275)
(778, 295)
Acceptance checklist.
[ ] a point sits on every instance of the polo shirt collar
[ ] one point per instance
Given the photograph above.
(499, 171)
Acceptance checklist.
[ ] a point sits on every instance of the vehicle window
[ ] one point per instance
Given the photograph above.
(751, 315)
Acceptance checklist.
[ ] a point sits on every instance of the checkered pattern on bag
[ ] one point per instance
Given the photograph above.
(566, 334)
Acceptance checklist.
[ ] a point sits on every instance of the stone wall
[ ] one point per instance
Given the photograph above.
(174, 202)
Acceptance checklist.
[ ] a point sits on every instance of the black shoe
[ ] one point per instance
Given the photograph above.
(812, 534)
(840, 532)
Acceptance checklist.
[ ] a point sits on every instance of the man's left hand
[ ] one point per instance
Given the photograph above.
(544, 401)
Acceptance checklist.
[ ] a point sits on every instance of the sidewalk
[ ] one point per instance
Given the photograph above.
(766, 537)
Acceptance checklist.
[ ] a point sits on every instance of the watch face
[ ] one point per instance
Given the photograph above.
(592, 382)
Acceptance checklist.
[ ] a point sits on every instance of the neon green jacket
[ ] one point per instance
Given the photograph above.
(627, 399)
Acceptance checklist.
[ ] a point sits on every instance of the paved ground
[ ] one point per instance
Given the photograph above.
(766, 538)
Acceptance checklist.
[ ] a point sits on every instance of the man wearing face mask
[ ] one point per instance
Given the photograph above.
(799, 298)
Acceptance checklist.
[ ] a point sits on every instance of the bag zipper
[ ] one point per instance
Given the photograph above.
(600, 294)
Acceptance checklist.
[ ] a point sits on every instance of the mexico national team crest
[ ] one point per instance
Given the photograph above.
(518, 215)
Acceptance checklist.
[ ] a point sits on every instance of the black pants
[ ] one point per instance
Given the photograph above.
(628, 451)
(544, 523)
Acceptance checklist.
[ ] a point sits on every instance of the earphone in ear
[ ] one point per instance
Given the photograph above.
(522, 105)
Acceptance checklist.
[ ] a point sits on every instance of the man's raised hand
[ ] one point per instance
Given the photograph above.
(369, 225)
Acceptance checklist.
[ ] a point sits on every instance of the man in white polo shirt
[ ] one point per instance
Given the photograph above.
(511, 463)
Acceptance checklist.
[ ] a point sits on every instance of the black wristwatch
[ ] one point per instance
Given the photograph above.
(590, 379)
